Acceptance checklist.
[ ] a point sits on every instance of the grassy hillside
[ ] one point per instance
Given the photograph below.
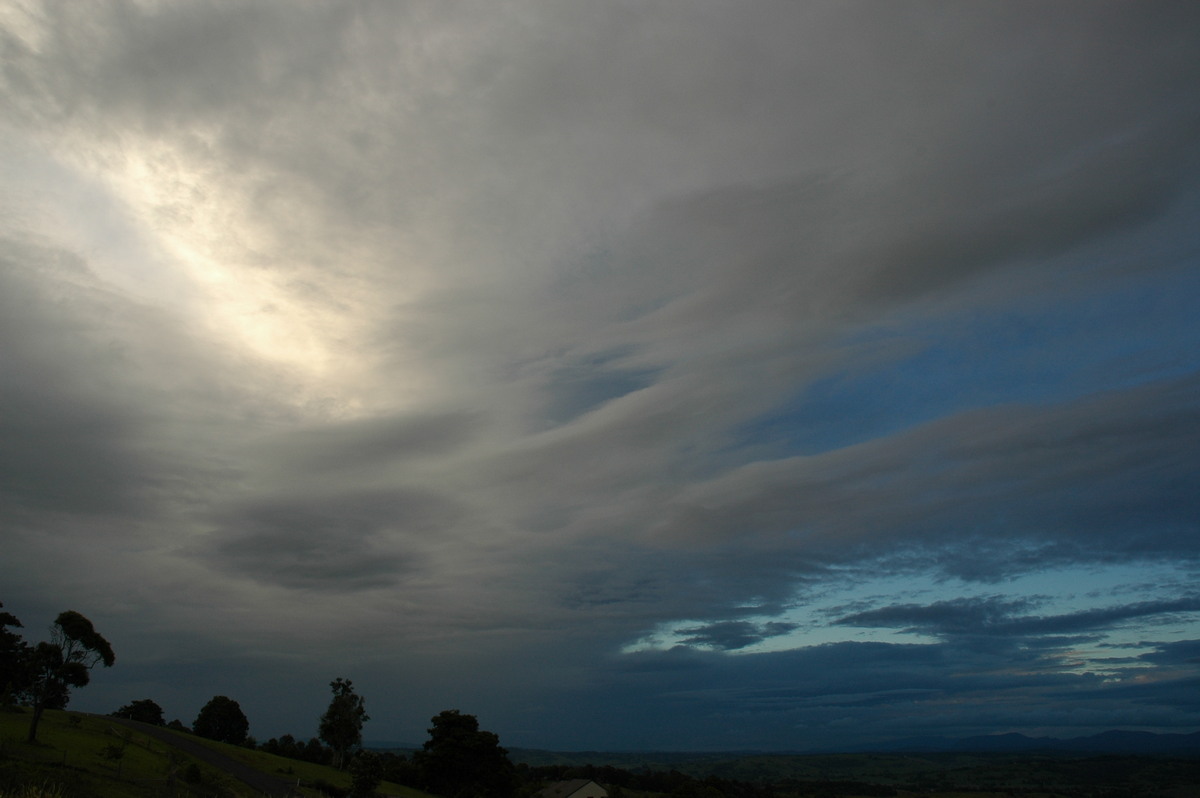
(304, 772)
(80, 755)
(83, 755)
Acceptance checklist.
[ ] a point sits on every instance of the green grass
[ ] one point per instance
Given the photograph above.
(305, 771)
(34, 791)
(74, 757)
(76, 754)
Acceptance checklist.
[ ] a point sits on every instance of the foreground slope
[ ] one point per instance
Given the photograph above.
(93, 755)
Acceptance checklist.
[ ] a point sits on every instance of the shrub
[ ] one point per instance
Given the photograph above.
(192, 774)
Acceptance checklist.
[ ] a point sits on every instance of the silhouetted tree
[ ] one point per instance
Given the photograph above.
(66, 661)
(366, 773)
(313, 751)
(144, 711)
(460, 761)
(13, 660)
(222, 719)
(341, 725)
(400, 769)
(284, 746)
(290, 747)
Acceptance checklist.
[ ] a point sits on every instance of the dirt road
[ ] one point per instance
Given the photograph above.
(256, 779)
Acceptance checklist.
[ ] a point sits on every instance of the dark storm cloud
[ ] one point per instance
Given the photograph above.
(1182, 652)
(1144, 693)
(339, 543)
(978, 614)
(732, 635)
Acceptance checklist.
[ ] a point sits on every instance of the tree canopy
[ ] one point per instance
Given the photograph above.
(366, 773)
(12, 658)
(341, 725)
(461, 761)
(144, 710)
(54, 667)
(222, 719)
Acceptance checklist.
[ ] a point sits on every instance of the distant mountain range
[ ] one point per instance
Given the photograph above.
(1109, 742)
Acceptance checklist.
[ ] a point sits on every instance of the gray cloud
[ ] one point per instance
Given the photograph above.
(514, 335)
(1113, 189)
(732, 635)
(340, 542)
(994, 615)
(56, 435)
(1038, 478)
(368, 443)
(94, 387)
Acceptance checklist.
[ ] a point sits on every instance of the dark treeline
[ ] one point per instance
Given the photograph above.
(681, 785)
(525, 780)
(306, 751)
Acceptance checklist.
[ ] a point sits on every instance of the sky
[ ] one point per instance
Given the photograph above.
(631, 375)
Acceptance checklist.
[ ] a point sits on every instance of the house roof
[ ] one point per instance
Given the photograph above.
(565, 789)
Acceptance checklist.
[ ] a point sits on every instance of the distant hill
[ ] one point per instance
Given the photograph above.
(391, 745)
(1109, 742)
(1113, 763)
